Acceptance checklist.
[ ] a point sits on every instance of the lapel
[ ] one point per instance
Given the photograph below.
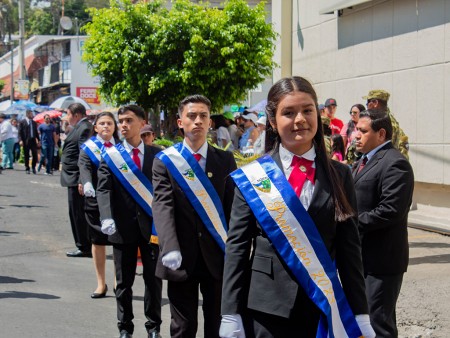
(211, 166)
(148, 162)
(322, 189)
(372, 162)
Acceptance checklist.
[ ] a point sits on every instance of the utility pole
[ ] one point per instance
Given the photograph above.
(22, 73)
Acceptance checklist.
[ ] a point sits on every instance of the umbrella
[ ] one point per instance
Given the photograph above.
(65, 101)
(5, 105)
(259, 107)
(93, 112)
(39, 118)
(20, 106)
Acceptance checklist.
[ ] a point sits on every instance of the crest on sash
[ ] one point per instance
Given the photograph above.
(263, 184)
(97, 151)
(124, 167)
(189, 174)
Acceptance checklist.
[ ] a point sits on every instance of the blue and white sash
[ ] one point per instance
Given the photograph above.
(296, 239)
(198, 189)
(132, 179)
(93, 148)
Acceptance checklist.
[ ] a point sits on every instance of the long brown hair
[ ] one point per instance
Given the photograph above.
(279, 90)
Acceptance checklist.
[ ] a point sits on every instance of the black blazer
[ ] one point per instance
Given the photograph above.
(24, 131)
(271, 287)
(115, 202)
(178, 225)
(384, 189)
(88, 173)
(70, 152)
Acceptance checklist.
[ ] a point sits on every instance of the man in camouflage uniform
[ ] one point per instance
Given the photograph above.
(377, 99)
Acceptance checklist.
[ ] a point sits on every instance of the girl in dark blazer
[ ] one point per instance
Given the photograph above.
(105, 130)
(258, 287)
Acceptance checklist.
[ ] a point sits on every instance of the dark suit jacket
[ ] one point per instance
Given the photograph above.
(384, 189)
(70, 152)
(272, 288)
(24, 131)
(88, 173)
(178, 225)
(115, 202)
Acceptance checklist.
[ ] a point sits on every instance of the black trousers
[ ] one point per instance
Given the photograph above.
(125, 260)
(183, 297)
(382, 293)
(28, 146)
(78, 221)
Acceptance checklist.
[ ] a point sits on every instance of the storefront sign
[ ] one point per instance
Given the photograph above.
(88, 94)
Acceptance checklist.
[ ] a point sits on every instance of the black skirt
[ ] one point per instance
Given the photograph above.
(93, 219)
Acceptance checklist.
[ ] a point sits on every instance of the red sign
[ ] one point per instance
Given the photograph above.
(88, 94)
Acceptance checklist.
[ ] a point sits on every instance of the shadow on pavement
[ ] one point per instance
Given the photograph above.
(27, 206)
(437, 259)
(23, 295)
(429, 245)
(13, 280)
(164, 301)
(8, 233)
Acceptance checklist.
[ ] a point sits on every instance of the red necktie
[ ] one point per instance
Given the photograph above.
(362, 165)
(301, 170)
(197, 157)
(136, 158)
(107, 144)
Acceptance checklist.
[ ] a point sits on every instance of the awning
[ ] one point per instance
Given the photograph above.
(334, 5)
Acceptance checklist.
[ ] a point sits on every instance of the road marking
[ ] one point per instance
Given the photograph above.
(51, 185)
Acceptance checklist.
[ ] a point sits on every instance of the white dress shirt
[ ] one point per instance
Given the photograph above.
(129, 148)
(286, 161)
(202, 151)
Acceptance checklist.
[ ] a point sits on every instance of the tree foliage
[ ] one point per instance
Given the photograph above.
(154, 56)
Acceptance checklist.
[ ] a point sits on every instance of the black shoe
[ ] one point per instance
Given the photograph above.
(27, 171)
(34, 171)
(125, 334)
(79, 253)
(154, 334)
(100, 295)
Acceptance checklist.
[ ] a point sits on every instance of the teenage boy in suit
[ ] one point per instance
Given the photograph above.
(70, 178)
(190, 256)
(384, 183)
(129, 226)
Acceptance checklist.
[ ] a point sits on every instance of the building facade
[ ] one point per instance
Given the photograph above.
(347, 48)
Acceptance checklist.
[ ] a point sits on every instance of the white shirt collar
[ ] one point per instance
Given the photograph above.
(130, 148)
(113, 142)
(202, 151)
(286, 156)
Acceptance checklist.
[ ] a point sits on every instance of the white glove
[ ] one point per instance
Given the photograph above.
(88, 189)
(364, 325)
(231, 327)
(108, 226)
(172, 260)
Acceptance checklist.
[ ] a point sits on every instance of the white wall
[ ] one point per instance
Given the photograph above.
(402, 46)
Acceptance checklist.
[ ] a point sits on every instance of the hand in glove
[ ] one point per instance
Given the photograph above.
(108, 226)
(231, 327)
(363, 322)
(172, 260)
(89, 190)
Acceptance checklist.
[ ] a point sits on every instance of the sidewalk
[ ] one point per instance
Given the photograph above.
(430, 218)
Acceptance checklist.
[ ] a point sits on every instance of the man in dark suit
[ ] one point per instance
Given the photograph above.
(190, 257)
(130, 228)
(384, 183)
(82, 129)
(28, 139)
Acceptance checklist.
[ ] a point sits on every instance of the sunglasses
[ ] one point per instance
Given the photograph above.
(354, 113)
(370, 101)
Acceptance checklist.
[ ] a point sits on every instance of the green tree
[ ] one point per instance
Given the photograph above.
(154, 56)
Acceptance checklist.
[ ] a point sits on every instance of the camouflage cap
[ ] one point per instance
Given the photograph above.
(378, 94)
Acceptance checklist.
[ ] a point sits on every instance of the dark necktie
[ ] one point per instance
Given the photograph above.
(108, 144)
(30, 123)
(197, 157)
(363, 164)
(301, 170)
(136, 158)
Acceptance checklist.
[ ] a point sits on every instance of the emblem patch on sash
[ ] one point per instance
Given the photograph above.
(124, 167)
(263, 184)
(189, 174)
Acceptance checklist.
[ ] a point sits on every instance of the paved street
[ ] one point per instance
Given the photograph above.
(45, 294)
